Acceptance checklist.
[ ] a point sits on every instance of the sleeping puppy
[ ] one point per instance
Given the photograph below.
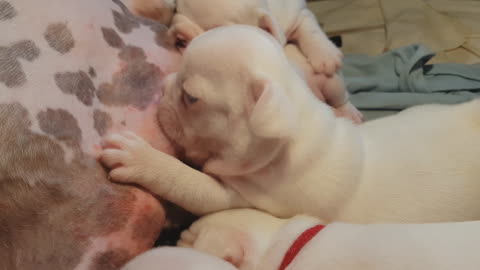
(253, 240)
(287, 20)
(249, 121)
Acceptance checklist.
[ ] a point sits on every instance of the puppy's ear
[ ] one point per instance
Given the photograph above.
(269, 24)
(272, 115)
(182, 31)
(158, 10)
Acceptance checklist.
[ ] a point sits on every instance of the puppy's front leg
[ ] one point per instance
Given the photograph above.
(133, 160)
(324, 56)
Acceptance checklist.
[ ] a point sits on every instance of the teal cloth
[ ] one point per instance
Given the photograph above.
(401, 78)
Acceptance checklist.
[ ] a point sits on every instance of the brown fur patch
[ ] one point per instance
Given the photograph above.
(78, 84)
(11, 71)
(62, 125)
(111, 260)
(92, 72)
(7, 11)
(59, 37)
(112, 38)
(25, 49)
(102, 121)
(135, 84)
(124, 24)
(132, 53)
(121, 207)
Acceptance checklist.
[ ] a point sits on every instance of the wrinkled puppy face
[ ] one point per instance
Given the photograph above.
(193, 17)
(219, 106)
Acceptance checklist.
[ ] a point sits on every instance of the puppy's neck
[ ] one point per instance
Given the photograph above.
(326, 151)
(317, 170)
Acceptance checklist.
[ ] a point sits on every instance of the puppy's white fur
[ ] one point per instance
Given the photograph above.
(253, 240)
(287, 20)
(249, 120)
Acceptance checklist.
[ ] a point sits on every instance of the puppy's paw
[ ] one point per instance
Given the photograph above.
(129, 156)
(327, 58)
(217, 240)
(349, 111)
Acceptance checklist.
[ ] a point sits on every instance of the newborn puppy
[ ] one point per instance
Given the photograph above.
(253, 240)
(250, 123)
(289, 21)
(286, 20)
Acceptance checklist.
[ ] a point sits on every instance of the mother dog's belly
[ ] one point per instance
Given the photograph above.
(421, 165)
(71, 72)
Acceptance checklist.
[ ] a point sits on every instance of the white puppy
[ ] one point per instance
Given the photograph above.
(289, 21)
(252, 240)
(263, 141)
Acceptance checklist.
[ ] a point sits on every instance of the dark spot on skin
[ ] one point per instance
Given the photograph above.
(161, 39)
(62, 125)
(124, 24)
(59, 37)
(25, 49)
(102, 121)
(113, 205)
(111, 260)
(112, 38)
(7, 12)
(142, 225)
(78, 84)
(11, 71)
(135, 84)
(123, 123)
(132, 53)
(92, 72)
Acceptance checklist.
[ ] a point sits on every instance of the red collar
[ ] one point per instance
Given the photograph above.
(301, 241)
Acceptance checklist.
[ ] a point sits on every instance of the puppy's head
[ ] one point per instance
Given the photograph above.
(228, 106)
(195, 16)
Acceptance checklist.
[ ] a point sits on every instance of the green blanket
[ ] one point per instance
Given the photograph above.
(401, 78)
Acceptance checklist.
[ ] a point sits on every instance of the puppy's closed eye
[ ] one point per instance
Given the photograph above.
(188, 99)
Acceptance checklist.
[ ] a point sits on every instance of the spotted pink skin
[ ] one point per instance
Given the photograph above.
(74, 71)
(145, 208)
